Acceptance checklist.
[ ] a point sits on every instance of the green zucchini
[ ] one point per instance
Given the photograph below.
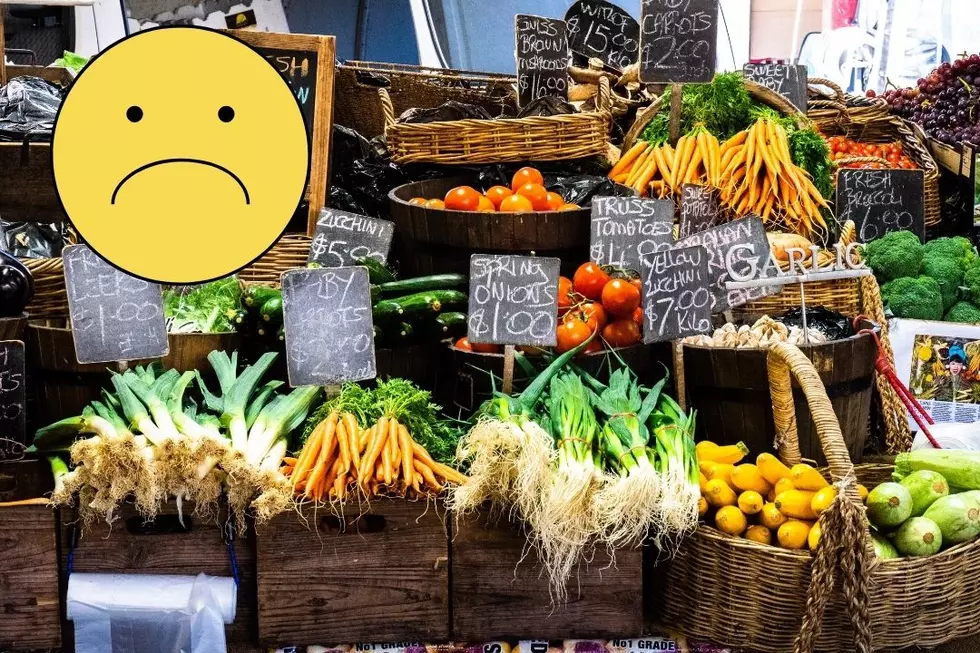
(271, 310)
(451, 323)
(377, 271)
(237, 316)
(435, 301)
(386, 309)
(255, 296)
(421, 284)
(375, 293)
(405, 330)
(282, 333)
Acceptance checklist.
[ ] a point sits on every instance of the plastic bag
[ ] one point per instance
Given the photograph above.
(73, 62)
(834, 325)
(547, 105)
(28, 106)
(33, 239)
(362, 174)
(450, 110)
(950, 435)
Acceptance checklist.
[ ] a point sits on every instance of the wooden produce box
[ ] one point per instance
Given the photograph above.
(27, 190)
(163, 546)
(497, 595)
(379, 573)
(30, 615)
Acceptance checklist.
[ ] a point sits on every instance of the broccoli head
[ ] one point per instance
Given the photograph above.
(972, 282)
(955, 247)
(895, 255)
(917, 298)
(947, 272)
(963, 312)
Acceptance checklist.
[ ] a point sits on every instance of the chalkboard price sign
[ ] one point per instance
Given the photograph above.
(329, 329)
(624, 229)
(12, 400)
(678, 40)
(602, 30)
(114, 317)
(881, 201)
(699, 209)
(747, 237)
(542, 58)
(676, 298)
(785, 79)
(513, 300)
(341, 238)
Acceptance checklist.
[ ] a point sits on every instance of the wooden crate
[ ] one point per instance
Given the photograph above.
(27, 190)
(380, 573)
(163, 547)
(497, 595)
(30, 615)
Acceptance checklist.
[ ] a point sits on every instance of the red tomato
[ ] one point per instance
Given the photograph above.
(571, 334)
(638, 317)
(589, 280)
(639, 284)
(462, 198)
(435, 204)
(516, 204)
(593, 347)
(620, 298)
(464, 344)
(496, 194)
(565, 298)
(555, 201)
(417, 201)
(537, 194)
(592, 313)
(486, 205)
(527, 175)
(622, 333)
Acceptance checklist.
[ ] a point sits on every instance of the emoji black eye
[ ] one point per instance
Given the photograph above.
(226, 114)
(134, 113)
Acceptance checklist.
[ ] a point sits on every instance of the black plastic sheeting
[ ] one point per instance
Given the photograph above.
(28, 106)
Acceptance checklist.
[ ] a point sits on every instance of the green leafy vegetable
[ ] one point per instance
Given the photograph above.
(209, 308)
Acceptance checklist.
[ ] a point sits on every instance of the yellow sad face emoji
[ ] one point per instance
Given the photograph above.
(180, 155)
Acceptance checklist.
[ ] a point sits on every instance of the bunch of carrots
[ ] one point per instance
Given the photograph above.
(662, 170)
(342, 457)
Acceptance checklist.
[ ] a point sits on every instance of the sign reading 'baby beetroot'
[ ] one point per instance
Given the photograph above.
(601, 30)
(12, 400)
(542, 58)
(114, 317)
(329, 327)
(513, 300)
(678, 40)
(342, 238)
(676, 299)
(625, 229)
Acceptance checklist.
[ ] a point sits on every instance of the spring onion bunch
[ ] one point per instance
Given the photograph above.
(160, 434)
(676, 463)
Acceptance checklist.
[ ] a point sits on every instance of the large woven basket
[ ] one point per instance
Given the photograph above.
(290, 251)
(504, 140)
(356, 100)
(867, 120)
(744, 594)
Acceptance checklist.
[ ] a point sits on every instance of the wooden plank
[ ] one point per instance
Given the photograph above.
(128, 547)
(380, 573)
(27, 190)
(29, 597)
(498, 595)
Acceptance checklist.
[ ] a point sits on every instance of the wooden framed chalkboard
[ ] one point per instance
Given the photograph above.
(881, 201)
(12, 400)
(342, 238)
(307, 62)
(786, 79)
(600, 29)
(542, 58)
(678, 41)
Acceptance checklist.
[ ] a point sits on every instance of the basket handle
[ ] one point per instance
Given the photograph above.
(838, 92)
(604, 98)
(386, 107)
(840, 163)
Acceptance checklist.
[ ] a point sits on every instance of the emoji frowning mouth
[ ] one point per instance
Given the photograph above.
(166, 161)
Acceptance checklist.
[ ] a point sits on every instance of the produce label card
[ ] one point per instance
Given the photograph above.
(13, 435)
(342, 238)
(699, 209)
(328, 324)
(785, 79)
(624, 229)
(881, 201)
(678, 40)
(645, 645)
(114, 317)
(513, 300)
(742, 243)
(601, 30)
(542, 58)
(676, 299)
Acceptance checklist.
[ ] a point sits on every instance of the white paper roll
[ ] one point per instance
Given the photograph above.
(149, 592)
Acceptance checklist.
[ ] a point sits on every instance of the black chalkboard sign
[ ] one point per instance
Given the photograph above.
(329, 329)
(299, 69)
(602, 30)
(513, 300)
(624, 229)
(881, 201)
(747, 237)
(542, 58)
(786, 79)
(341, 238)
(699, 209)
(678, 40)
(114, 317)
(676, 298)
(12, 400)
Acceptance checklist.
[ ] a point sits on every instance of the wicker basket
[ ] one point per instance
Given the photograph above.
(505, 140)
(290, 251)
(867, 120)
(756, 91)
(356, 100)
(744, 594)
(836, 105)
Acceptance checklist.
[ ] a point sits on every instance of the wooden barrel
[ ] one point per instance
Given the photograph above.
(412, 362)
(434, 241)
(62, 386)
(27, 183)
(471, 378)
(729, 388)
(13, 328)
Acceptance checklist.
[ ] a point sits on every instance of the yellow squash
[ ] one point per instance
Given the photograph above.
(772, 468)
(702, 507)
(719, 494)
(728, 454)
(748, 477)
(807, 478)
(814, 537)
(730, 519)
(750, 502)
(795, 504)
(722, 471)
(783, 485)
(793, 534)
(770, 517)
(822, 500)
(759, 534)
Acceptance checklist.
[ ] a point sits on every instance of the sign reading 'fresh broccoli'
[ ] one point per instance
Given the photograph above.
(881, 201)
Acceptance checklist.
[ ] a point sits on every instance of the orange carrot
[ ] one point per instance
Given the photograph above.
(343, 442)
(289, 460)
(406, 453)
(386, 464)
(326, 451)
(426, 473)
(310, 451)
(629, 157)
(354, 434)
(375, 444)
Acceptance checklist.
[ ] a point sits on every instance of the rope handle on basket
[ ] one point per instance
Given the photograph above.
(386, 107)
(820, 81)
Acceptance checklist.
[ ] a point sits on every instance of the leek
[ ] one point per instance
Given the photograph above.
(150, 397)
(273, 460)
(175, 406)
(281, 416)
(135, 412)
(237, 396)
(258, 403)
